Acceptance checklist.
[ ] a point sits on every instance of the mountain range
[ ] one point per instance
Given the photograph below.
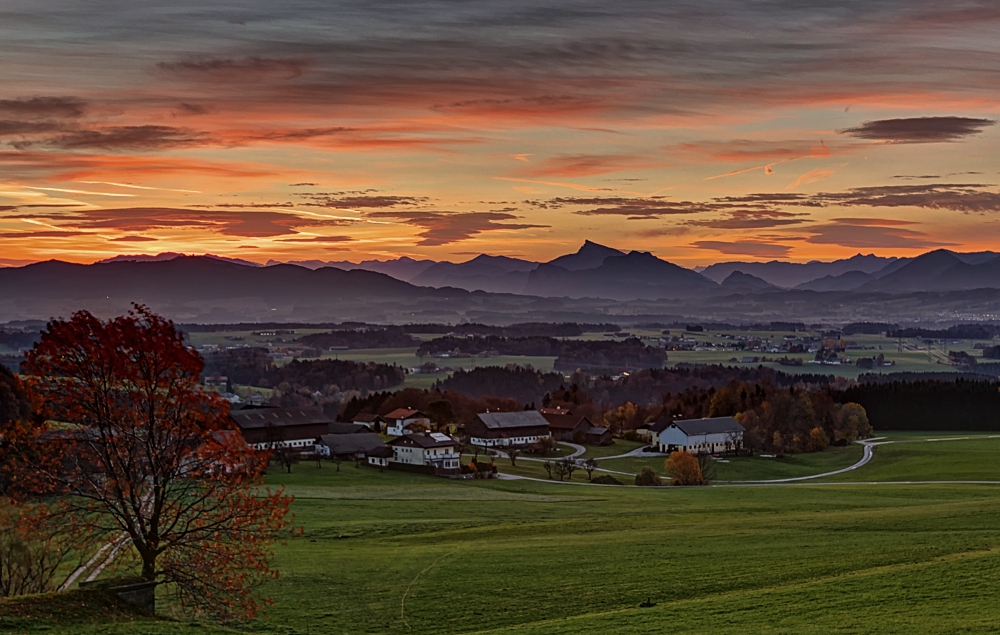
(594, 280)
(597, 271)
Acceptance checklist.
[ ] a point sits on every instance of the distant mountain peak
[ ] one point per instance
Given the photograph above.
(171, 255)
(589, 256)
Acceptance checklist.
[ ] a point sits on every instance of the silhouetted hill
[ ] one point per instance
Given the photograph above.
(589, 256)
(792, 274)
(404, 268)
(636, 275)
(843, 282)
(498, 274)
(940, 270)
(739, 282)
(170, 255)
(194, 286)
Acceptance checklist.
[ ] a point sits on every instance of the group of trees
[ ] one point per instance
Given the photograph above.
(937, 404)
(957, 332)
(122, 454)
(521, 383)
(592, 355)
(255, 367)
(784, 420)
(523, 329)
(381, 337)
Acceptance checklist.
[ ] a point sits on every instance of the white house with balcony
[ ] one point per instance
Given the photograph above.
(430, 448)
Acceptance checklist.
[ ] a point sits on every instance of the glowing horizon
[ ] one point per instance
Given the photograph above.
(700, 132)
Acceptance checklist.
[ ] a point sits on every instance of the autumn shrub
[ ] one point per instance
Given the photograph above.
(648, 478)
(684, 469)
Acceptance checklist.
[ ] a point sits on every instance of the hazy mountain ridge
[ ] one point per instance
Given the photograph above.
(208, 290)
(792, 274)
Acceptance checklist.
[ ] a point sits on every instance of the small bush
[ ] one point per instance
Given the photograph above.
(607, 479)
(648, 478)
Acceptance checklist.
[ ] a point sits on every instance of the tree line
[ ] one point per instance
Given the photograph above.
(960, 405)
(255, 367)
(591, 355)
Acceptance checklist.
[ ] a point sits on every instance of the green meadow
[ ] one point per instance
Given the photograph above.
(389, 552)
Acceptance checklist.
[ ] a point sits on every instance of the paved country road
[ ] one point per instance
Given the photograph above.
(866, 457)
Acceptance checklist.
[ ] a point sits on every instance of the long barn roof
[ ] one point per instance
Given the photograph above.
(251, 418)
(517, 419)
(714, 425)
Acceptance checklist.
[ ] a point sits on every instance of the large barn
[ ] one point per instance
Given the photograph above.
(701, 436)
(288, 427)
(522, 427)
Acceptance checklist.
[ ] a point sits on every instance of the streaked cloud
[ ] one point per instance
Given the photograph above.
(744, 248)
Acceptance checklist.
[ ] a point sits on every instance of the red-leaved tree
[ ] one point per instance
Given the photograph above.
(145, 453)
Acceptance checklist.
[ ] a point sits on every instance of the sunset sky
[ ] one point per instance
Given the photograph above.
(701, 131)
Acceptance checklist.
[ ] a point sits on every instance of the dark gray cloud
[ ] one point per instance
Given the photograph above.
(920, 129)
(133, 238)
(43, 107)
(443, 228)
(955, 197)
(343, 200)
(750, 219)
(870, 234)
(958, 197)
(135, 220)
(245, 69)
(138, 138)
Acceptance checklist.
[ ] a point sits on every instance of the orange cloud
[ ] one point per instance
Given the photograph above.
(812, 176)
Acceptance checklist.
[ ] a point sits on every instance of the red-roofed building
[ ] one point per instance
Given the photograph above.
(399, 421)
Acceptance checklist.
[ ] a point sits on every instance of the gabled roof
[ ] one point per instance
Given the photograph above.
(367, 418)
(598, 431)
(518, 419)
(433, 440)
(555, 411)
(657, 426)
(714, 425)
(337, 427)
(564, 421)
(352, 443)
(257, 418)
(405, 413)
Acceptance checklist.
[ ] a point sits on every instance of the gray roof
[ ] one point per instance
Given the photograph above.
(518, 419)
(337, 427)
(658, 426)
(250, 418)
(432, 440)
(364, 442)
(714, 425)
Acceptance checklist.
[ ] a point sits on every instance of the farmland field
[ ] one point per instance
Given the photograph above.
(910, 355)
(399, 553)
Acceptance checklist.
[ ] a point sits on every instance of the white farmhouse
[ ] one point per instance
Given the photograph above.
(701, 436)
(428, 448)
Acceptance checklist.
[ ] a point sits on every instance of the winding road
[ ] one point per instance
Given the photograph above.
(869, 453)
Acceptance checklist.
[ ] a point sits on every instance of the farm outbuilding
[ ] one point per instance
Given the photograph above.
(701, 436)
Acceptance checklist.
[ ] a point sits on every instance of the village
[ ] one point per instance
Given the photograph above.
(406, 439)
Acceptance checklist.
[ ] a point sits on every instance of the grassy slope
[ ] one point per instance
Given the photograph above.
(459, 557)
(397, 553)
(931, 461)
(89, 613)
